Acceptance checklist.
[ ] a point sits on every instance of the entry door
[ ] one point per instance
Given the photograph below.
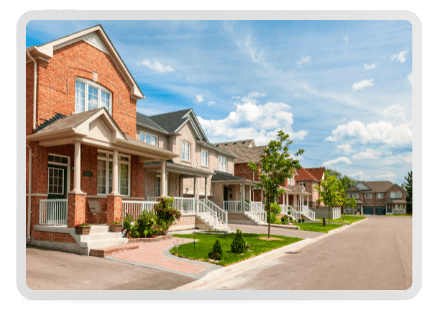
(57, 182)
(225, 193)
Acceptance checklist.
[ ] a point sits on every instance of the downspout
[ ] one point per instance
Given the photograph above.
(29, 192)
(34, 89)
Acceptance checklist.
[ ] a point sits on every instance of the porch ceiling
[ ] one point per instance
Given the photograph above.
(185, 171)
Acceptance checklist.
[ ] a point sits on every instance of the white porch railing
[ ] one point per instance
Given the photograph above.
(135, 208)
(221, 214)
(294, 213)
(53, 211)
(309, 213)
(257, 207)
(233, 206)
(206, 212)
(284, 209)
(184, 205)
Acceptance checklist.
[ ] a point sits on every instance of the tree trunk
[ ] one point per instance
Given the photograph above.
(268, 208)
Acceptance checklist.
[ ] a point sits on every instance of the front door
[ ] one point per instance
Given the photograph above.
(56, 211)
(225, 193)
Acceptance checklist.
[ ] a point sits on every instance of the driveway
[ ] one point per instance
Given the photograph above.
(375, 254)
(55, 270)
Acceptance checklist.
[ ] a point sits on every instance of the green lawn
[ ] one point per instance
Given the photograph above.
(399, 215)
(347, 219)
(205, 244)
(318, 227)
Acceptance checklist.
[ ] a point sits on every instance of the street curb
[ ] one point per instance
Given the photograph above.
(243, 266)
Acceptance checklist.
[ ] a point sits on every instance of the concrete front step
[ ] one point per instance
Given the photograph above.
(99, 229)
(104, 252)
(100, 236)
(105, 243)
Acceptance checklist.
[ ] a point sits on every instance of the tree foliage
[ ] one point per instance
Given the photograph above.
(408, 187)
(274, 167)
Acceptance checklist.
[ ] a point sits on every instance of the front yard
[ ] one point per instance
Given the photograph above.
(258, 245)
(318, 227)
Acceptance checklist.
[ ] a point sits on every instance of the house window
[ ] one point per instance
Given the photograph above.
(185, 154)
(354, 195)
(302, 184)
(291, 181)
(396, 195)
(368, 196)
(380, 195)
(158, 193)
(105, 173)
(148, 138)
(222, 164)
(90, 96)
(204, 158)
(56, 181)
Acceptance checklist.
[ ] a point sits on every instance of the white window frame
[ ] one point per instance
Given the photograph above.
(205, 164)
(185, 146)
(48, 181)
(222, 164)
(368, 195)
(380, 195)
(99, 102)
(393, 195)
(62, 164)
(109, 158)
(145, 134)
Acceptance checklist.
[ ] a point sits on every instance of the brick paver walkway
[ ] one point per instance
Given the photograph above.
(156, 255)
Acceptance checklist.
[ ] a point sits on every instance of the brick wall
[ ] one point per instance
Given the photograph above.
(49, 236)
(56, 85)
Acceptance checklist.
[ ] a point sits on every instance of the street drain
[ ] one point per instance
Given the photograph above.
(292, 252)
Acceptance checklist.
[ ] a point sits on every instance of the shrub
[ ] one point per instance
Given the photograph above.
(127, 223)
(167, 215)
(284, 219)
(274, 218)
(216, 253)
(238, 245)
(146, 221)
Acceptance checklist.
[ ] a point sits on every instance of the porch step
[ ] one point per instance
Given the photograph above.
(99, 229)
(104, 252)
(102, 243)
(100, 236)
(205, 218)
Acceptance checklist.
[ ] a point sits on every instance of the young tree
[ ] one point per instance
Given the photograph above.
(331, 192)
(408, 187)
(275, 166)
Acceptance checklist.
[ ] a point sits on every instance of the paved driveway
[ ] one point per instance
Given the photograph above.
(375, 254)
(54, 270)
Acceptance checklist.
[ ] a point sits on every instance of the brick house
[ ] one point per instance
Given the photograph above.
(309, 178)
(81, 139)
(378, 197)
(295, 197)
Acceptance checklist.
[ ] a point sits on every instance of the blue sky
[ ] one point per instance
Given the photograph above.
(341, 89)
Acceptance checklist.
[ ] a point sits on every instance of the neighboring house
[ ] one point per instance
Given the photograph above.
(247, 151)
(378, 197)
(309, 178)
(83, 160)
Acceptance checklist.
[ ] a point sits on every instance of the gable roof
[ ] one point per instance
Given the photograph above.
(96, 37)
(304, 175)
(244, 150)
(172, 122)
(317, 172)
(374, 186)
(145, 121)
(223, 176)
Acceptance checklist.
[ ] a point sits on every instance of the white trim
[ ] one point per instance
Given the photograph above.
(220, 163)
(187, 144)
(202, 159)
(109, 158)
(68, 165)
(145, 140)
(100, 88)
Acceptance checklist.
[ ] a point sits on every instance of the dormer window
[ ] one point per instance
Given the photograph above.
(90, 96)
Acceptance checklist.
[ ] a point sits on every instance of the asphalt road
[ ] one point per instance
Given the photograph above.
(55, 270)
(373, 255)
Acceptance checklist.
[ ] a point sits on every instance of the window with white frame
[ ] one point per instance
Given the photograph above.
(291, 181)
(368, 196)
(396, 195)
(185, 153)
(148, 138)
(105, 173)
(222, 164)
(90, 96)
(158, 193)
(301, 183)
(204, 158)
(56, 181)
(380, 195)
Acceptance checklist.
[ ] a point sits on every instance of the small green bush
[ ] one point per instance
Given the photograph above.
(284, 219)
(216, 253)
(238, 245)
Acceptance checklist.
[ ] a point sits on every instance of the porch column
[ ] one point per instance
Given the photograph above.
(163, 178)
(76, 198)
(77, 171)
(287, 201)
(115, 173)
(205, 190)
(195, 191)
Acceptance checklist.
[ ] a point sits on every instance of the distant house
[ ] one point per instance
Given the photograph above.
(309, 178)
(378, 197)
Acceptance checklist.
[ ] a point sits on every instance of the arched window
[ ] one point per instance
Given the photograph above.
(90, 96)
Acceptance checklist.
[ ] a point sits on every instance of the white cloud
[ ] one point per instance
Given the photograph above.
(380, 132)
(211, 103)
(157, 66)
(395, 112)
(248, 47)
(409, 77)
(359, 175)
(346, 148)
(251, 98)
(303, 60)
(250, 120)
(336, 161)
(346, 39)
(401, 57)
(400, 159)
(199, 98)
(369, 67)
(364, 83)
(386, 175)
(367, 154)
